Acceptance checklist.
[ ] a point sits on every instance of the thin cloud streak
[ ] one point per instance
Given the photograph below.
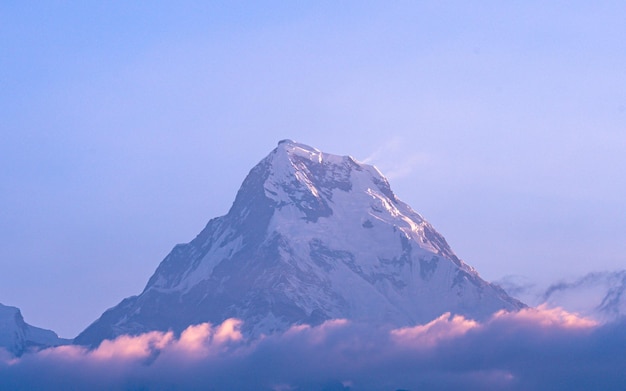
(539, 349)
(393, 158)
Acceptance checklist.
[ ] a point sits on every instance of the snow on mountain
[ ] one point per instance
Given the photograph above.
(18, 336)
(598, 295)
(310, 236)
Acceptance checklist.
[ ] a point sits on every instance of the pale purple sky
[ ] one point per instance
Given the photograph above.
(125, 128)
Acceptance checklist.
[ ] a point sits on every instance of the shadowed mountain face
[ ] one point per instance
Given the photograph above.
(311, 236)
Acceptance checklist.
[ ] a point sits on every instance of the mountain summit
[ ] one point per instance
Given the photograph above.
(310, 236)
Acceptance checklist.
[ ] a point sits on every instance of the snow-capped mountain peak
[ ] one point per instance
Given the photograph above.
(310, 236)
(17, 336)
(305, 177)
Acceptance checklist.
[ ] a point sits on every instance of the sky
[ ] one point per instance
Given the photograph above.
(125, 127)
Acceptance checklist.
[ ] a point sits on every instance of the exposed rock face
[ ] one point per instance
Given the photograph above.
(310, 236)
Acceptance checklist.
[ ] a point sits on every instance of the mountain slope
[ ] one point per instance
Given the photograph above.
(310, 236)
(18, 336)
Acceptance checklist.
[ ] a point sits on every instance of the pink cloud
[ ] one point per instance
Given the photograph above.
(444, 327)
(539, 349)
(201, 340)
(316, 334)
(128, 347)
(228, 331)
(547, 317)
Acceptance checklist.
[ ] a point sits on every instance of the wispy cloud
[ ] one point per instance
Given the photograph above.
(538, 349)
(391, 144)
(396, 159)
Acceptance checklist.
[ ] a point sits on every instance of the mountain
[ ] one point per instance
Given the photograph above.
(18, 336)
(597, 295)
(310, 236)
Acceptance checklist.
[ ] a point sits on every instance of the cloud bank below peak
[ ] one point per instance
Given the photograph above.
(539, 349)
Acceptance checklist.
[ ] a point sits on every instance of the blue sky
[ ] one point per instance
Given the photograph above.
(125, 128)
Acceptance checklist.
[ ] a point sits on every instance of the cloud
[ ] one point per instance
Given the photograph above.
(444, 327)
(394, 160)
(546, 316)
(538, 349)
